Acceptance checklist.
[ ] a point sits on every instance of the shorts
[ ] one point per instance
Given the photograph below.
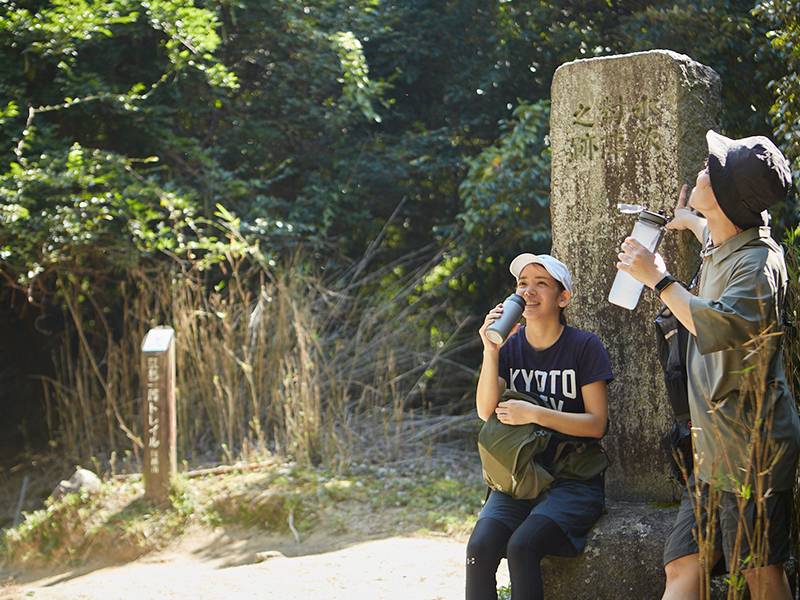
(575, 505)
(682, 539)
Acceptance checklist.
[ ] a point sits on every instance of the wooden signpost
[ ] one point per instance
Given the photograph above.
(160, 451)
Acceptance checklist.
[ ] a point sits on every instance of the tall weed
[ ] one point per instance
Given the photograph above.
(791, 356)
(363, 365)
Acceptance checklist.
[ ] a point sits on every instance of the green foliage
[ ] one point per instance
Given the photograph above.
(317, 122)
(714, 32)
(11, 110)
(358, 89)
(86, 210)
(791, 346)
(147, 145)
(191, 37)
(783, 19)
(83, 206)
(506, 191)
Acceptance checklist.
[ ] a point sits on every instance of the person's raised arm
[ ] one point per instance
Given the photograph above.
(490, 384)
(649, 269)
(686, 218)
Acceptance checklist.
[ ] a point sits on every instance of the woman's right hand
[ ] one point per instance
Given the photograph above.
(493, 315)
(490, 384)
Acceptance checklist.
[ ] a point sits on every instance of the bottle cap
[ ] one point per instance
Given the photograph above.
(630, 209)
(656, 219)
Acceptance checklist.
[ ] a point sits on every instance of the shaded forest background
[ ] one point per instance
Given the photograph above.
(320, 197)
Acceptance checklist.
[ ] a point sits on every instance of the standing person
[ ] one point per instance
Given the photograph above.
(570, 368)
(741, 290)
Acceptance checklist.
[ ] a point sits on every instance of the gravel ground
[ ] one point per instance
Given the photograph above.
(221, 565)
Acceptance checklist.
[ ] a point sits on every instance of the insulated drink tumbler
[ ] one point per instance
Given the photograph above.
(512, 309)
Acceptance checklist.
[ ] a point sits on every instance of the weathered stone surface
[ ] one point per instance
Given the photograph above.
(81, 479)
(626, 129)
(622, 559)
(268, 555)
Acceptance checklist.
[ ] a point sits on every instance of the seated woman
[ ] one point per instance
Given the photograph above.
(570, 369)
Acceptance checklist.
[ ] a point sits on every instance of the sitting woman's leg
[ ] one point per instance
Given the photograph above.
(485, 548)
(536, 537)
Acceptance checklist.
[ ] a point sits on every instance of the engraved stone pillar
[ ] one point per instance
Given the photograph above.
(627, 129)
(160, 448)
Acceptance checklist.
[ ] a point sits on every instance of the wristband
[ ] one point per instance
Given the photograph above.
(665, 282)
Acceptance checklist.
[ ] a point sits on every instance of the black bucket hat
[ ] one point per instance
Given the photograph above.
(748, 176)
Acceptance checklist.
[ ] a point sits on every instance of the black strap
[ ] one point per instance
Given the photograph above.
(671, 340)
(784, 321)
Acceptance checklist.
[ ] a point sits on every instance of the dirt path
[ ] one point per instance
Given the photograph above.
(218, 566)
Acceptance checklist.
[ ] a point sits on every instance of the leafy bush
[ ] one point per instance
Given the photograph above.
(506, 192)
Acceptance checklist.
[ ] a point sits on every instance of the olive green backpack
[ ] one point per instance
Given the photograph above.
(509, 455)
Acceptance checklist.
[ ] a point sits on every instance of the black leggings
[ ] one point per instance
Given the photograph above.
(524, 548)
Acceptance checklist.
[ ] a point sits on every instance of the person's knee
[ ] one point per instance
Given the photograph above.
(487, 541)
(768, 582)
(537, 536)
(684, 568)
(673, 571)
(476, 548)
(517, 547)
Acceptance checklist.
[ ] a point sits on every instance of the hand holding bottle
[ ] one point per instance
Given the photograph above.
(626, 290)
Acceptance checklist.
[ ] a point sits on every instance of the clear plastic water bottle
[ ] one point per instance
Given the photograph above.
(498, 331)
(626, 291)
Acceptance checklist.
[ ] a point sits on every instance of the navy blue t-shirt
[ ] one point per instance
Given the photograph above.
(559, 372)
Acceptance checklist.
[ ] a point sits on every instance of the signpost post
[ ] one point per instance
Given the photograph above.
(160, 447)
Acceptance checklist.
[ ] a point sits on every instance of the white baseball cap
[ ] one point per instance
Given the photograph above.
(555, 267)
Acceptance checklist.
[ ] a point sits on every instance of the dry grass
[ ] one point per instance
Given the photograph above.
(270, 359)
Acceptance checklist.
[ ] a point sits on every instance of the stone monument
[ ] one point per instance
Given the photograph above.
(627, 129)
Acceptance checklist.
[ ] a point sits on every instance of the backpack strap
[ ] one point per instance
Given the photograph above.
(671, 342)
(578, 445)
(784, 322)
